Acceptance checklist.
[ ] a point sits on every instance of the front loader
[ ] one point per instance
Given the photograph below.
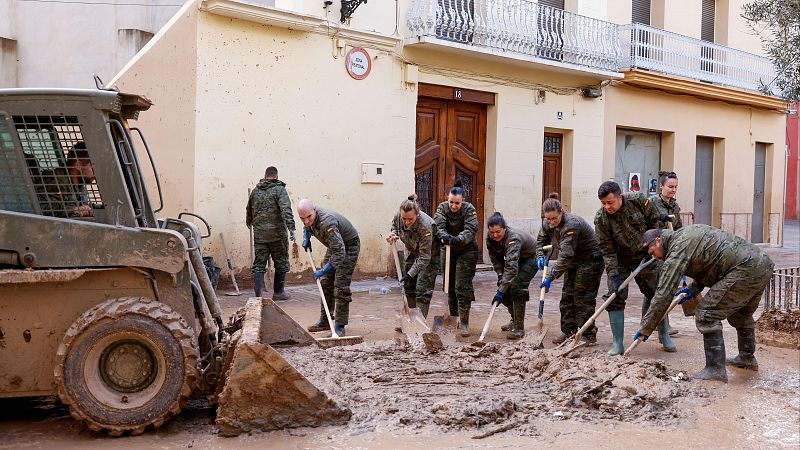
(110, 307)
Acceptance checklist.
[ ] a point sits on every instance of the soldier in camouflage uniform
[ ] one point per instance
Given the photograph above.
(665, 201)
(269, 212)
(336, 233)
(63, 191)
(421, 238)
(513, 255)
(736, 273)
(581, 263)
(619, 226)
(457, 222)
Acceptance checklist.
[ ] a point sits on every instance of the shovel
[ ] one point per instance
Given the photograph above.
(445, 319)
(576, 339)
(335, 339)
(410, 316)
(672, 306)
(538, 338)
(230, 268)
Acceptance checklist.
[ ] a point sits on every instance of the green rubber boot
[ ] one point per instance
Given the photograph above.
(663, 337)
(617, 320)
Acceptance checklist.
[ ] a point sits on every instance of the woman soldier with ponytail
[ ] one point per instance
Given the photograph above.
(418, 233)
(457, 222)
(579, 260)
(665, 201)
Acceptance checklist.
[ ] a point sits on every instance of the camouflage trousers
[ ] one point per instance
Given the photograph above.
(579, 296)
(519, 291)
(647, 280)
(461, 293)
(420, 288)
(336, 283)
(277, 250)
(735, 297)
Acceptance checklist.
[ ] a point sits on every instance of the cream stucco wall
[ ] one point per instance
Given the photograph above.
(736, 129)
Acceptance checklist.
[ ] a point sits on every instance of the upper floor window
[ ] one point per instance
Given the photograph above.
(640, 11)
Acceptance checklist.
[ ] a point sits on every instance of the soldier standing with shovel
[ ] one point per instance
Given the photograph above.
(581, 263)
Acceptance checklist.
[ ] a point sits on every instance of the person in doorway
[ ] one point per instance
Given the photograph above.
(669, 215)
(457, 222)
(579, 260)
(513, 256)
(665, 201)
(336, 233)
(619, 226)
(736, 271)
(269, 213)
(64, 192)
(419, 234)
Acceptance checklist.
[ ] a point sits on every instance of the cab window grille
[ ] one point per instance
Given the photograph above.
(14, 191)
(59, 165)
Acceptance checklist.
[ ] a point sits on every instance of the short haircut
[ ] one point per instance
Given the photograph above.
(495, 220)
(609, 187)
(650, 236)
(271, 172)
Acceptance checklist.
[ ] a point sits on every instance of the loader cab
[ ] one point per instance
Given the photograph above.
(69, 154)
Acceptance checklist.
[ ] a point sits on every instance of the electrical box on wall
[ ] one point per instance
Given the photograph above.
(372, 172)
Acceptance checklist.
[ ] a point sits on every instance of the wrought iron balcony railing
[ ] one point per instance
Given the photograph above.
(519, 26)
(674, 54)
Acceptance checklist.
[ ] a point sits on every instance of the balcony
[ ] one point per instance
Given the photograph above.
(518, 29)
(668, 53)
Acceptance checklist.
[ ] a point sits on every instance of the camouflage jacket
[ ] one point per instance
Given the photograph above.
(269, 211)
(507, 253)
(620, 234)
(333, 231)
(701, 252)
(576, 243)
(421, 240)
(670, 207)
(463, 223)
(59, 196)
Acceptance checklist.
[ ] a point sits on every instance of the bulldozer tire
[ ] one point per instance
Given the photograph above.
(127, 364)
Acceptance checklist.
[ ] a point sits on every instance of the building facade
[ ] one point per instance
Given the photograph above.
(515, 98)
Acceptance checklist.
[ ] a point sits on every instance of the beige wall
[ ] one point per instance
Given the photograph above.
(681, 119)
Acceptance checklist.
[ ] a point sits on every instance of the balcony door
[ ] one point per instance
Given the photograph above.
(450, 145)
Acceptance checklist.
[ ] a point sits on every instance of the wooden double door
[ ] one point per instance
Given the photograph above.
(450, 145)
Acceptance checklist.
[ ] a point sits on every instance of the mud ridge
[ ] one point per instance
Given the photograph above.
(496, 388)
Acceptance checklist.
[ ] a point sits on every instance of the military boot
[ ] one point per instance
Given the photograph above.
(510, 325)
(278, 294)
(617, 321)
(518, 332)
(339, 329)
(423, 308)
(663, 337)
(714, 346)
(747, 347)
(321, 325)
(258, 283)
(452, 304)
(463, 314)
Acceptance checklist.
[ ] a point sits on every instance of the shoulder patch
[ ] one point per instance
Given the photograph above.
(330, 228)
(646, 201)
(512, 242)
(570, 232)
(427, 234)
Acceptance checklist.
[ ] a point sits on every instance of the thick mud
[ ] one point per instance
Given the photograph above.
(496, 388)
(779, 328)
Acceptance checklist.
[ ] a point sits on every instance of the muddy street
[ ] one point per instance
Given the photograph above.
(503, 395)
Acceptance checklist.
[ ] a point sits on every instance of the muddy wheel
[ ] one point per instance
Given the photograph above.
(127, 364)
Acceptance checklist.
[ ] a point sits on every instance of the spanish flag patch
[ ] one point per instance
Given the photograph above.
(330, 228)
(570, 233)
(511, 242)
(427, 234)
(646, 201)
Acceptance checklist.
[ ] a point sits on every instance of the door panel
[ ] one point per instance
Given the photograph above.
(551, 166)
(703, 180)
(757, 234)
(450, 144)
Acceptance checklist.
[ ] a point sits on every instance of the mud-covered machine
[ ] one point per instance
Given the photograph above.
(110, 307)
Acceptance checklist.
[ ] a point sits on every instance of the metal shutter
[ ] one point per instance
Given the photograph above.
(707, 21)
(640, 11)
(559, 4)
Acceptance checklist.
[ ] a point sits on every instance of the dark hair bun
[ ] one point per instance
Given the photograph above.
(553, 195)
(412, 197)
(459, 184)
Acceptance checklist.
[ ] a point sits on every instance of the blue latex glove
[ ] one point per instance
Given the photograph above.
(306, 239)
(540, 262)
(446, 238)
(406, 279)
(687, 291)
(321, 272)
(546, 284)
(455, 240)
(640, 335)
(498, 298)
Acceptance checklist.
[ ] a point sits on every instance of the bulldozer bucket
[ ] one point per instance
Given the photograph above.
(262, 391)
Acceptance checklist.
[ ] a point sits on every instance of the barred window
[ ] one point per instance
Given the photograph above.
(59, 165)
(14, 193)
